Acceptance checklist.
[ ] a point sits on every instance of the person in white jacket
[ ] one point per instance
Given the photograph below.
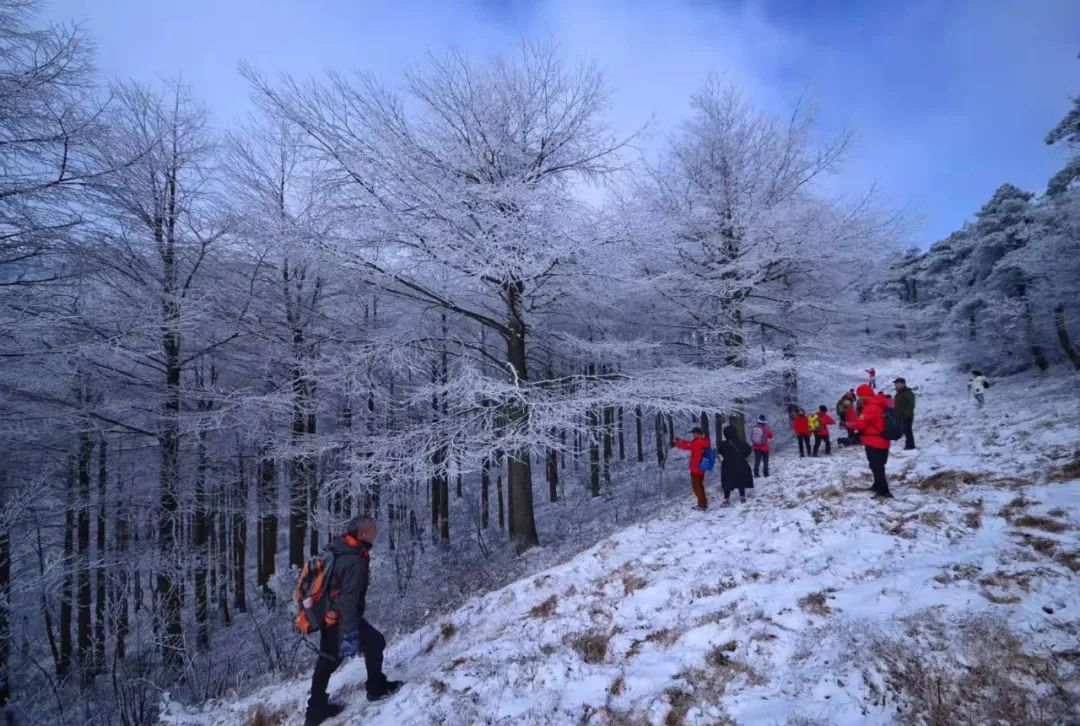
(977, 387)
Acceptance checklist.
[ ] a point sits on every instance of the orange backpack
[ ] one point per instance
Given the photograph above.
(312, 595)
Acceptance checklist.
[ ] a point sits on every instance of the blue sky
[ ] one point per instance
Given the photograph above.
(947, 98)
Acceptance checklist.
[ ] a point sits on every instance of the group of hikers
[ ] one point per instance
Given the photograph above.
(868, 417)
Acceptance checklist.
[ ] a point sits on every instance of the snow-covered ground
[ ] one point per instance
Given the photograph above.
(811, 603)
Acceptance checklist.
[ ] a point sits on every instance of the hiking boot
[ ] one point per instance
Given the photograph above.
(321, 712)
(699, 508)
(725, 503)
(388, 689)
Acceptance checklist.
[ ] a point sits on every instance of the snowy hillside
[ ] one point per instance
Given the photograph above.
(812, 603)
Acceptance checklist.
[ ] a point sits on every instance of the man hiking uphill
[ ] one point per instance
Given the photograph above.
(871, 427)
(702, 457)
(345, 632)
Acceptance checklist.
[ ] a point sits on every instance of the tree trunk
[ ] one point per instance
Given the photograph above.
(103, 560)
(639, 434)
(719, 428)
(661, 441)
(202, 543)
(553, 475)
(119, 593)
(622, 436)
(223, 520)
(1063, 336)
(239, 536)
(499, 488)
(523, 530)
(299, 478)
(705, 428)
(85, 597)
(5, 599)
(63, 664)
(268, 520)
(485, 494)
(168, 611)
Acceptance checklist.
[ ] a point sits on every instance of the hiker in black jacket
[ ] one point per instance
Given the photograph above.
(350, 633)
(735, 470)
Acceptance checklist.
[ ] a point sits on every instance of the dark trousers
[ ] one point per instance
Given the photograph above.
(761, 457)
(909, 434)
(818, 438)
(804, 440)
(372, 645)
(877, 459)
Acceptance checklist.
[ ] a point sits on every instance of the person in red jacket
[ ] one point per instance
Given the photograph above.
(822, 433)
(872, 374)
(800, 424)
(696, 446)
(760, 436)
(851, 414)
(870, 425)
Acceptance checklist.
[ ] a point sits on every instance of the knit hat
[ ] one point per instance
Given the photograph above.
(761, 417)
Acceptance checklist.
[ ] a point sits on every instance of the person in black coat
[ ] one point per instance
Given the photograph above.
(735, 472)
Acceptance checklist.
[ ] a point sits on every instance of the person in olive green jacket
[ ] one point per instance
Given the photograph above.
(905, 409)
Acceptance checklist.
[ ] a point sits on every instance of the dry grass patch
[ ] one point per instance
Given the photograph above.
(681, 703)
(1068, 559)
(956, 573)
(1070, 470)
(1034, 521)
(817, 602)
(1012, 510)
(632, 583)
(545, 609)
(592, 647)
(1043, 545)
(949, 481)
(982, 675)
(718, 657)
(617, 686)
(438, 686)
(933, 519)
(448, 631)
(260, 715)
(720, 586)
(663, 636)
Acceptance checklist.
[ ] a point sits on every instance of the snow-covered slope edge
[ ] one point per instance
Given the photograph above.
(812, 603)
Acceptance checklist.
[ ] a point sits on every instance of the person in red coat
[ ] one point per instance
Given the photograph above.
(871, 425)
(822, 432)
(760, 436)
(800, 424)
(872, 374)
(696, 446)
